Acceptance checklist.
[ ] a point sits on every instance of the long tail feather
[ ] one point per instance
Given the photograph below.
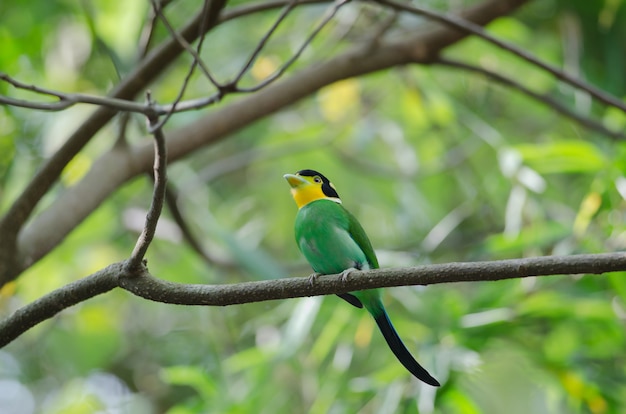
(400, 351)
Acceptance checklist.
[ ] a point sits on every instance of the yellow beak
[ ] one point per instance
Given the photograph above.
(295, 180)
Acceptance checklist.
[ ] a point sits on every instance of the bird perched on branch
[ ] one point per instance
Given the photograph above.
(333, 241)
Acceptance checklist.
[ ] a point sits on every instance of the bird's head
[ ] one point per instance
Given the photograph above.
(309, 185)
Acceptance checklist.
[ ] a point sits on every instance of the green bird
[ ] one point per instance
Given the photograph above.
(333, 241)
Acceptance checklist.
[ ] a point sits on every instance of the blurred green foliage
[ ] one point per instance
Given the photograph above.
(437, 164)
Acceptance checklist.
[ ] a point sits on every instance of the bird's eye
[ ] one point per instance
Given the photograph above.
(317, 179)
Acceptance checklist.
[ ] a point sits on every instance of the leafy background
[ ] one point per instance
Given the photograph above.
(439, 165)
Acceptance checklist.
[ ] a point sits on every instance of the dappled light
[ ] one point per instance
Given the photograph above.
(147, 254)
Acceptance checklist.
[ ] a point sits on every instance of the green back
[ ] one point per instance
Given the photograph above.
(332, 239)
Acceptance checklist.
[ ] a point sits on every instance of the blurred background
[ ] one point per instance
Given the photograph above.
(437, 163)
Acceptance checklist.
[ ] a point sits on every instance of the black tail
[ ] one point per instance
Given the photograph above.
(400, 351)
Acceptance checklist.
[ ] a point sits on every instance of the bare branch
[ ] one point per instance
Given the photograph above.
(327, 18)
(247, 9)
(197, 60)
(255, 53)
(584, 121)
(54, 302)
(68, 99)
(160, 181)
(470, 27)
(206, 10)
(41, 106)
(139, 282)
(234, 294)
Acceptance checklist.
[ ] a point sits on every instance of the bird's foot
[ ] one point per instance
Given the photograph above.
(346, 273)
(313, 278)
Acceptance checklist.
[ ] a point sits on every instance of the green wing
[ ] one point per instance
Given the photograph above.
(360, 237)
(331, 238)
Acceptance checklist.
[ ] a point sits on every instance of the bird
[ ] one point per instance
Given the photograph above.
(334, 242)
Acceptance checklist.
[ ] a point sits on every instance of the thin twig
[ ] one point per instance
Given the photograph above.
(248, 9)
(160, 181)
(261, 44)
(185, 44)
(148, 30)
(327, 18)
(544, 99)
(469, 27)
(197, 60)
(68, 99)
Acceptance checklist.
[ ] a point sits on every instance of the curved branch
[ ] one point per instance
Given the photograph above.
(158, 290)
(472, 28)
(583, 121)
(54, 302)
(141, 283)
(158, 196)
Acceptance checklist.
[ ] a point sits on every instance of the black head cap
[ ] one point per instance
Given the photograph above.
(327, 187)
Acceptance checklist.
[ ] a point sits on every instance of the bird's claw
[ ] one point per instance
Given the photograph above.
(346, 273)
(313, 278)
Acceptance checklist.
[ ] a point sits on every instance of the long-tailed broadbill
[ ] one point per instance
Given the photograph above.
(333, 241)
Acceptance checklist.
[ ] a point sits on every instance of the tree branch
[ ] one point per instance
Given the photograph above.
(472, 28)
(141, 283)
(583, 121)
(325, 19)
(158, 195)
(54, 302)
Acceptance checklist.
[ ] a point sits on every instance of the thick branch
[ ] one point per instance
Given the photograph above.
(54, 302)
(142, 284)
(223, 295)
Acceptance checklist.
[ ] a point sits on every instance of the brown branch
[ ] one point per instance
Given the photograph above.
(327, 18)
(266, 37)
(160, 185)
(54, 302)
(583, 121)
(472, 28)
(195, 53)
(141, 283)
(209, 8)
(67, 99)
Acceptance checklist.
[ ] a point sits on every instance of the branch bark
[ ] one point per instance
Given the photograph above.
(141, 283)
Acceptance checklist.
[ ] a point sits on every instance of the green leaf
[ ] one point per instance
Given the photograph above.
(562, 157)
